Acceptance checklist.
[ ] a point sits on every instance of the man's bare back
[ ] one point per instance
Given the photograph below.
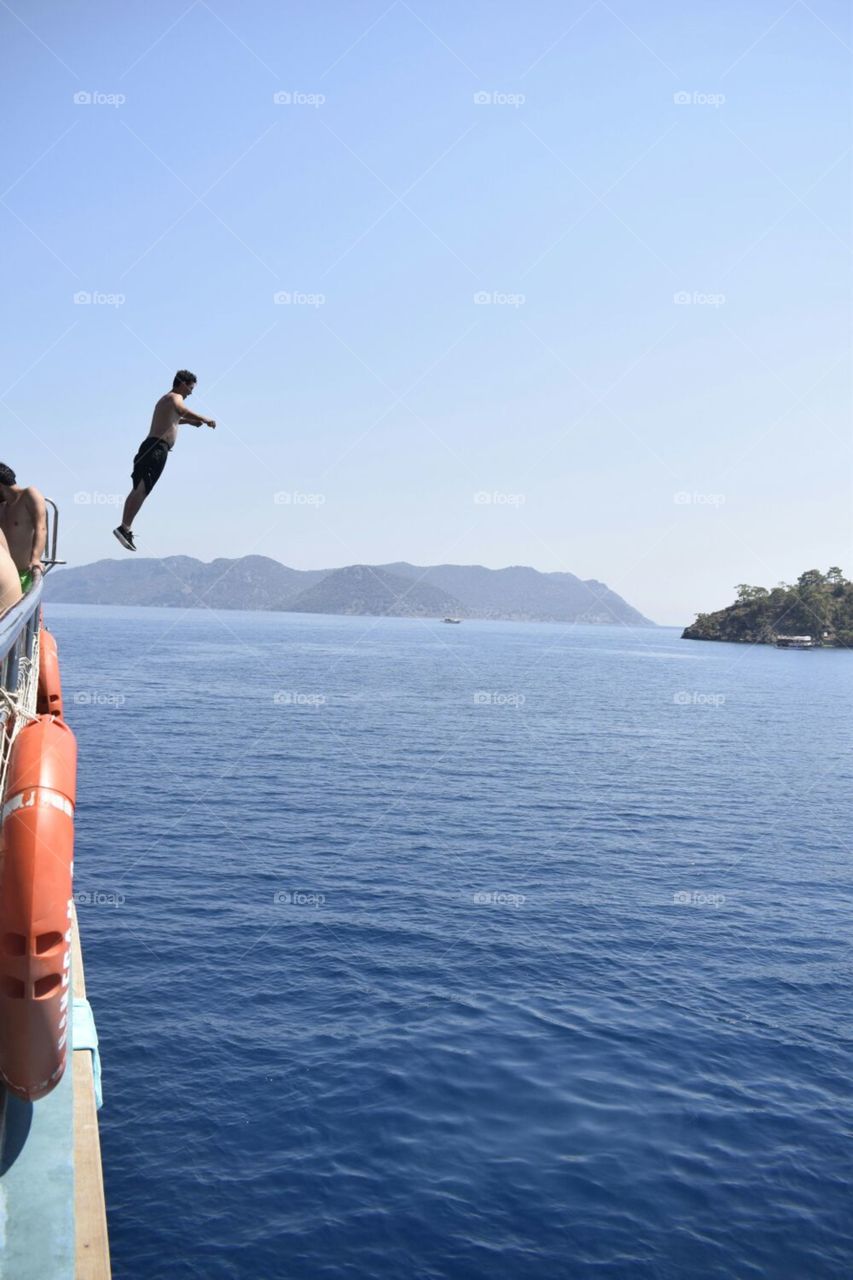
(24, 523)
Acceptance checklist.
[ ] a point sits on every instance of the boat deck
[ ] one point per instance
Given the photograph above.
(53, 1219)
(92, 1247)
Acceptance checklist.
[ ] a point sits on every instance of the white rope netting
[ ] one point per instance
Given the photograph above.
(18, 708)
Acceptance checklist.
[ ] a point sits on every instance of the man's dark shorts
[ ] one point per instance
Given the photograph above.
(149, 462)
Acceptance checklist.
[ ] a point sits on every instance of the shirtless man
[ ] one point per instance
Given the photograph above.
(170, 412)
(10, 582)
(24, 523)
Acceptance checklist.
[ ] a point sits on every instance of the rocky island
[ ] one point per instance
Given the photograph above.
(818, 604)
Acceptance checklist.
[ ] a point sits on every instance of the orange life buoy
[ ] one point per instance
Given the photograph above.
(36, 864)
(49, 685)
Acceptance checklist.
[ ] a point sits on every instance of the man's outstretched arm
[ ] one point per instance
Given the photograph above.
(187, 415)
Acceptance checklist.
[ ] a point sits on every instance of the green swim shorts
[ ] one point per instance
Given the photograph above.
(26, 580)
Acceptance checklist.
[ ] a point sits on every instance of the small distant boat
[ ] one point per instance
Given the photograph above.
(455, 621)
(795, 642)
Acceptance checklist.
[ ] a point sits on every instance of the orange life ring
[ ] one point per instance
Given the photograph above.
(36, 865)
(49, 685)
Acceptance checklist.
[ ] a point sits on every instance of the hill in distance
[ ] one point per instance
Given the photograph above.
(399, 590)
(365, 589)
(523, 593)
(252, 582)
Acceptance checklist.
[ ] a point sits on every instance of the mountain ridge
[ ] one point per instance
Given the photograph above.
(400, 589)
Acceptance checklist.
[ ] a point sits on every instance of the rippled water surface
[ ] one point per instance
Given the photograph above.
(498, 950)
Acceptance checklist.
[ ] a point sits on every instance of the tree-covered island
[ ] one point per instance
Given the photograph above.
(818, 604)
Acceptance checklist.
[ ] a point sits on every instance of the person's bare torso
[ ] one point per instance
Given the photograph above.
(16, 521)
(165, 418)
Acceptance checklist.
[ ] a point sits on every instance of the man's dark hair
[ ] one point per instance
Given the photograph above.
(7, 475)
(184, 375)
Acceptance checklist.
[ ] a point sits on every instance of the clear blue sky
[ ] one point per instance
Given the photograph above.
(581, 411)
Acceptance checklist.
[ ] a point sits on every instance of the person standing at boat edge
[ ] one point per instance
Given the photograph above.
(170, 412)
(23, 520)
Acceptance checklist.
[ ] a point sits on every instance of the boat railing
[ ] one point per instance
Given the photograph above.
(52, 515)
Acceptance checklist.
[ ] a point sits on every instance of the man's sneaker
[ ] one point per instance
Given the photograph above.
(125, 537)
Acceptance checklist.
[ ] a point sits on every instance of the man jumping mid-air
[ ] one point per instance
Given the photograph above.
(170, 412)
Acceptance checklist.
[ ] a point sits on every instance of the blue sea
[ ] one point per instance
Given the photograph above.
(501, 950)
